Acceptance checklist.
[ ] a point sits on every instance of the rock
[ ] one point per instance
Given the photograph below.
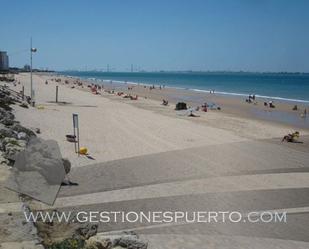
(5, 132)
(18, 128)
(64, 244)
(24, 105)
(37, 131)
(22, 136)
(5, 113)
(5, 102)
(43, 157)
(6, 121)
(9, 140)
(87, 231)
(3, 160)
(11, 146)
(66, 165)
(97, 243)
(131, 242)
(6, 117)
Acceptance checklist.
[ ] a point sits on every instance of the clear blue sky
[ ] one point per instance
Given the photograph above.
(261, 35)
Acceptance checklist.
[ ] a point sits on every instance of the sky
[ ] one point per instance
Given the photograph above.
(199, 35)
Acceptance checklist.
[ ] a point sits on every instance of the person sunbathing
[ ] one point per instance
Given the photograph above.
(191, 114)
(134, 98)
(292, 138)
(164, 102)
(204, 107)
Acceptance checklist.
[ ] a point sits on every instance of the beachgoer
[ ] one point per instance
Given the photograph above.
(271, 105)
(204, 107)
(192, 114)
(291, 137)
(164, 102)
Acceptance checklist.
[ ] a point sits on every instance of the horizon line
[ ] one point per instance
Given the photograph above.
(184, 71)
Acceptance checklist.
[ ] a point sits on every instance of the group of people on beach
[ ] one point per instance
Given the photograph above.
(270, 104)
(95, 88)
(153, 87)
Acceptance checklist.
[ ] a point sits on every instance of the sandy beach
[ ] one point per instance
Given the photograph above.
(112, 127)
(146, 156)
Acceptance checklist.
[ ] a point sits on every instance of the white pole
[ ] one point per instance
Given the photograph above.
(31, 86)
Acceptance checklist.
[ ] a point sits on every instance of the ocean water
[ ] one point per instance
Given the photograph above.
(276, 86)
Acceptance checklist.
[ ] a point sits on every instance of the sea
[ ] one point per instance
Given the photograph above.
(292, 87)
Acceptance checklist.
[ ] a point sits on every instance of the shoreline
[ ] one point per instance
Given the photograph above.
(178, 87)
(164, 128)
(231, 104)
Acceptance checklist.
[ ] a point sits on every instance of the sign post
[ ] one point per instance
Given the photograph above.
(76, 132)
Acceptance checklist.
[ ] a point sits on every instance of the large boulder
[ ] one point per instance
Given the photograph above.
(42, 156)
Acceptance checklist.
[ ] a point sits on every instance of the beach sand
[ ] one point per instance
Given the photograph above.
(112, 127)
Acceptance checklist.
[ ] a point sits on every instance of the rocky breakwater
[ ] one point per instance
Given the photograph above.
(13, 136)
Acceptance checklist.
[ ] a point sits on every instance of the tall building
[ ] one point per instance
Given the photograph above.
(4, 61)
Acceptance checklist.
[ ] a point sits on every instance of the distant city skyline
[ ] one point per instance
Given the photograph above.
(197, 35)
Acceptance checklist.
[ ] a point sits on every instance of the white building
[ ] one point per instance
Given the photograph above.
(4, 61)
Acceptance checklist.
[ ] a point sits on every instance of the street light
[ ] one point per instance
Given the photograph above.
(32, 50)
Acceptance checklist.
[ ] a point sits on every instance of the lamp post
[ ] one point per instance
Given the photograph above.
(32, 50)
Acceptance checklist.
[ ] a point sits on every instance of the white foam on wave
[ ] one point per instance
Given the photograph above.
(256, 95)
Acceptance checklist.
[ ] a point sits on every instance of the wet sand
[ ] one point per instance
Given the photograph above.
(283, 113)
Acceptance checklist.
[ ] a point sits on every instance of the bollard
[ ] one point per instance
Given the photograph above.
(56, 94)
